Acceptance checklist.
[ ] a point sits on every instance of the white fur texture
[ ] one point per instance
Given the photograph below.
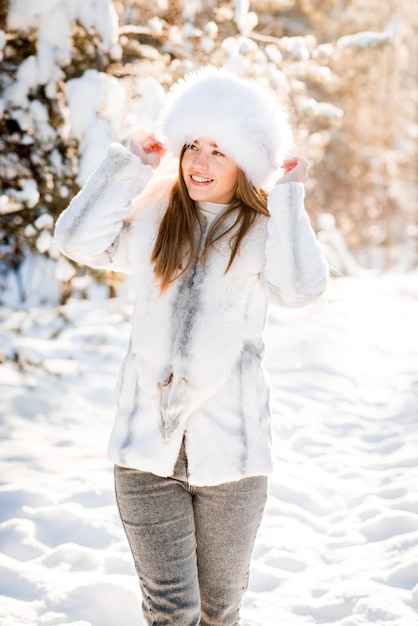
(194, 365)
(245, 119)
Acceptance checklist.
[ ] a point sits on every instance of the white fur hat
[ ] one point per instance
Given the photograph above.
(245, 119)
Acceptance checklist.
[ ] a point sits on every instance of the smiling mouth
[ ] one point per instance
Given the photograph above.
(199, 179)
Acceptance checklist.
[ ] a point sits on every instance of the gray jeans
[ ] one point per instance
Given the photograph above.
(191, 545)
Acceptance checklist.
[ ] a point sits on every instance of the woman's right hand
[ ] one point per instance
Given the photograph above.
(295, 170)
(147, 147)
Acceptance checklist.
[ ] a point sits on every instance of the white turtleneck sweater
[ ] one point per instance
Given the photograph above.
(211, 209)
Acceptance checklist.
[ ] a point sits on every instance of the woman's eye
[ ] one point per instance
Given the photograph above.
(217, 153)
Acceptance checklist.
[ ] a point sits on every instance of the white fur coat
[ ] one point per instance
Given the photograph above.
(194, 365)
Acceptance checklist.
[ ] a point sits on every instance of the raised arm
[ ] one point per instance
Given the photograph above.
(296, 271)
(89, 229)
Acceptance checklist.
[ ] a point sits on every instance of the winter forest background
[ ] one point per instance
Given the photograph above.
(338, 545)
(76, 75)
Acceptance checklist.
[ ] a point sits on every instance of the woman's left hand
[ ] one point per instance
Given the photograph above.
(296, 170)
(147, 147)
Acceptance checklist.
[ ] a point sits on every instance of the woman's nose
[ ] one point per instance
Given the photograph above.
(201, 159)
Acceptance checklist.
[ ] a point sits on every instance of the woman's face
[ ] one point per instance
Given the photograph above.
(209, 174)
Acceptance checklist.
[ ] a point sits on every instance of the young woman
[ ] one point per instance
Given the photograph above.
(211, 245)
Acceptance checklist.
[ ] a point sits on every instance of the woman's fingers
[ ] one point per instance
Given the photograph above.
(290, 164)
(296, 169)
(147, 147)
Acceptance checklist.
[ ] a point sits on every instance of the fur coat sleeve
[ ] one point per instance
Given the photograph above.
(92, 230)
(296, 272)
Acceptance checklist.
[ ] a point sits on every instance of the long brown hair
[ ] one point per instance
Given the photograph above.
(181, 229)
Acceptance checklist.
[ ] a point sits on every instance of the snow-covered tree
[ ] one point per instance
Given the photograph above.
(78, 74)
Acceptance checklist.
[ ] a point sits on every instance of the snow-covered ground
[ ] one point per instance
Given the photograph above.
(339, 540)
